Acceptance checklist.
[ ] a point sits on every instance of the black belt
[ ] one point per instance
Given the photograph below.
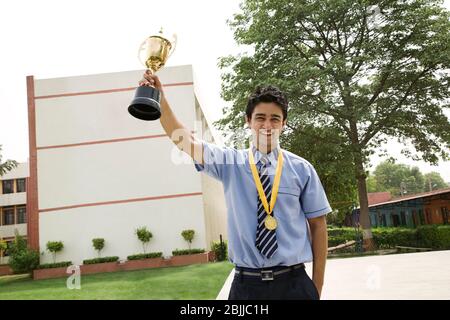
(267, 274)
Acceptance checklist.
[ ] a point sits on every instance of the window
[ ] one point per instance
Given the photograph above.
(21, 215)
(8, 216)
(421, 217)
(8, 186)
(8, 247)
(21, 185)
(445, 215)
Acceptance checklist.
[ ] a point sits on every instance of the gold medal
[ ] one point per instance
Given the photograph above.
(270, 222)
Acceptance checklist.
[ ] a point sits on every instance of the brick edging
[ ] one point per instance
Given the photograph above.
(128, 265)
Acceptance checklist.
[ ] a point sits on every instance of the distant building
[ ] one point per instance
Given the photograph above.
(13, 200)
(407, 211)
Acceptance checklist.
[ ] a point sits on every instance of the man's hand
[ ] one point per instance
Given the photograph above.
(319, 237)
(151, 80)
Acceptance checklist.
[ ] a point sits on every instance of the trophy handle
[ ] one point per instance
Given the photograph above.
(174, 44)
(140, 49)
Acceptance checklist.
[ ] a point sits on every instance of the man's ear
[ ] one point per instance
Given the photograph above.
(247, 120)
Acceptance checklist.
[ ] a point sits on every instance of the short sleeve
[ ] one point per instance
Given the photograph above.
(214, 160)
(313, 198)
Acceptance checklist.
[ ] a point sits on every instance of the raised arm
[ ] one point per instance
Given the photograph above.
(175, 130)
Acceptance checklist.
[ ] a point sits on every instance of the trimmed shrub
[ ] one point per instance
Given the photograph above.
(144, 236)
(140, 256)
(98, 244)
(188, 235)
(54, 265)
(220, 250)
(188, 251)
(54, 247)
(101, 260)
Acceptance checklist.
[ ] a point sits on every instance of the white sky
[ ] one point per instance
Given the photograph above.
(50, 39)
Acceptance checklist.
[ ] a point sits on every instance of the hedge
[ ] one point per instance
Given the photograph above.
(145, 256)
(426, 236)
(100, 260)
(54, 265)
(188, 251)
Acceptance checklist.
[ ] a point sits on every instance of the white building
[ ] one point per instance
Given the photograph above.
(13, 211)
(97, 172)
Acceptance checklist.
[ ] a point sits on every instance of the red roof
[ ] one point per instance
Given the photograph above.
(413, 196)
(378, 197)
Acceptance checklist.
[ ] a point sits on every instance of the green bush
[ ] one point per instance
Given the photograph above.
(426, 236)
(188, 251)
(54, 265)
(54, 247)
(220, 250)
(100, 260)
(145, 256)
(21, 258)
(188, 235)
(144, 236)
(386, 238)
(98, 244)
(434, 236)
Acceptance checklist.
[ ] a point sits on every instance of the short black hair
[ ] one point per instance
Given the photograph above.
(267, 94)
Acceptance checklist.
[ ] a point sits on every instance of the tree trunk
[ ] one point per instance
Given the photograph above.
(360, 173)
(368, 243)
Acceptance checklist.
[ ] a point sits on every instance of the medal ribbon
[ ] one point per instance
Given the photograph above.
(276, 182)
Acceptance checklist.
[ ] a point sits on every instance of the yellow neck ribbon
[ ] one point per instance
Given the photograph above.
(276, 182)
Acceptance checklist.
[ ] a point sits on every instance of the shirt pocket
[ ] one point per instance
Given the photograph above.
(289, 198)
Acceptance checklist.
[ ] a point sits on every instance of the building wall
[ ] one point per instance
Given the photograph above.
(103, 173)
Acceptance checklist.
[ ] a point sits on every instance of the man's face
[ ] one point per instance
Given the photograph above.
(266, 124)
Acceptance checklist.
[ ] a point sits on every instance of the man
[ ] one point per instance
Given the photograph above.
(275, 201)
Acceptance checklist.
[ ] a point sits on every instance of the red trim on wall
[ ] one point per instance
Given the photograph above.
(32, 185)
(122, 201)
(106, 91)
(101, 141)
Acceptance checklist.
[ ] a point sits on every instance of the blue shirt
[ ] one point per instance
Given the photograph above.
(300, 197)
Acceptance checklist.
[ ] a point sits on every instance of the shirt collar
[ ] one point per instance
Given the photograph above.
(272, 156)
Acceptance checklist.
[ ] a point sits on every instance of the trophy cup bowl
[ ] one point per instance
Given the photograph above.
(153, 53)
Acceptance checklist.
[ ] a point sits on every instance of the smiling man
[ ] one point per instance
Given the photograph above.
(276, 203)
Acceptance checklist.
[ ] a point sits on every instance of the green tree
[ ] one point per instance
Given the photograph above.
(54, 247)
(398, 179)
(434, 181)
(3, 247)
(365, 73)
(144, 236)
(188, 235)
(98, 244)
(7, 165)
(21, 258)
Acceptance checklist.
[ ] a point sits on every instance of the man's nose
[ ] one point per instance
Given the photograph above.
(267, 125)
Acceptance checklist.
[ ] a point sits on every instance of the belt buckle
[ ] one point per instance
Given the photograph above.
(266, 275)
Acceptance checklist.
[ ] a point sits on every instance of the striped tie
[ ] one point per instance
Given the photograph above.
(266, 240)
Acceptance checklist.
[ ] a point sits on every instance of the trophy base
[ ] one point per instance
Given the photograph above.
(145, 105)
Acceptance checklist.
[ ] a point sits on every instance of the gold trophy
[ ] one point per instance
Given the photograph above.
(153, 53)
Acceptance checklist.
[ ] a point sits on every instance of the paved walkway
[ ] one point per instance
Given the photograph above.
(393, 277)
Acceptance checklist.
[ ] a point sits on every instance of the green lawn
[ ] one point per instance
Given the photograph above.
(197, 282)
